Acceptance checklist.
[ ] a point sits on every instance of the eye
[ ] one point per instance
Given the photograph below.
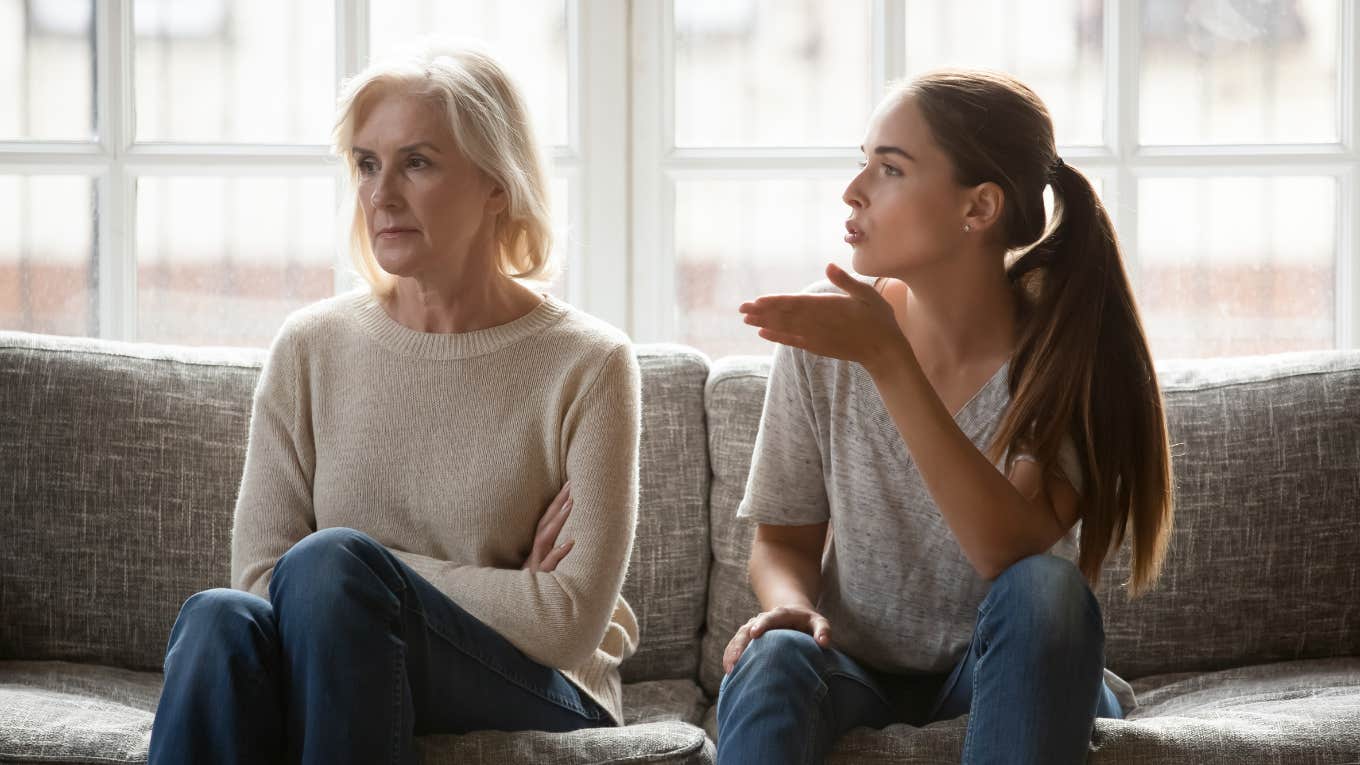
(367, 166)
(415, 162)
(890, 170)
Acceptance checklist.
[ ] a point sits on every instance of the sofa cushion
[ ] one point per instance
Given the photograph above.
(1305, 712)
(122, 463)
(1261, 566)
(666, 584)
(734, 396)
(121, 468)
(64, 712)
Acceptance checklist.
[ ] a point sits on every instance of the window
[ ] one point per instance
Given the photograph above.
(164, 174)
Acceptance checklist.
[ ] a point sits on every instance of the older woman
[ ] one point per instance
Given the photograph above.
(394, 570)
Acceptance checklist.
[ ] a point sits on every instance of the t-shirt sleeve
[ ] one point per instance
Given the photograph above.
(786, 485)
(1069, 465)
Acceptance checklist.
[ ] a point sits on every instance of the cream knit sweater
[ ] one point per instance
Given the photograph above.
(446, 448)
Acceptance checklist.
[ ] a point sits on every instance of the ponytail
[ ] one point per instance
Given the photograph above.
(1081, 368)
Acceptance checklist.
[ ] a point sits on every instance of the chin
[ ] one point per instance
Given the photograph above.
(864, 264)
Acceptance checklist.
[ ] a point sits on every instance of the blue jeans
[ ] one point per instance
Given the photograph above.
(1031, 681)
(352, 656)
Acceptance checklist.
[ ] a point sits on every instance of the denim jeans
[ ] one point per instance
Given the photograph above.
(1031, 681)
(352, 656)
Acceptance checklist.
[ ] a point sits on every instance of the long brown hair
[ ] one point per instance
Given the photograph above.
(1081, 366)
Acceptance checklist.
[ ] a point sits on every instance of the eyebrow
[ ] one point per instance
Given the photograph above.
(891, 150)
(402, 150)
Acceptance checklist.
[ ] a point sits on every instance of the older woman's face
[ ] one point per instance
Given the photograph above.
(427, 206)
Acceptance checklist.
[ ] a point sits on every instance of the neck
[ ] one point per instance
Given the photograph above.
(464, 303)
(959, 315)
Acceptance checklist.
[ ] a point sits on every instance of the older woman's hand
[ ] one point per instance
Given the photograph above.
(546, 553)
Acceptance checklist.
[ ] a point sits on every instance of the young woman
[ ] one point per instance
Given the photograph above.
(940, 442)
(395, 572)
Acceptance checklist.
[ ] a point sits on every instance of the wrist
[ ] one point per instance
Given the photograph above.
(891, 360)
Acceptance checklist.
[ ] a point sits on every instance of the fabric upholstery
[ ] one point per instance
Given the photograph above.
(666, 585)
(1262, 560)
(121, 468)
(67, 712)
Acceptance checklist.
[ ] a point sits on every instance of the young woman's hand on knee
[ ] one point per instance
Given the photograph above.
(799, 618)
(546, 553)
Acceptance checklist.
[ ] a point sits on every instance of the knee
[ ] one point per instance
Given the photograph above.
(320, 574)
(221, 623)
(1050, 599)
(788, 659)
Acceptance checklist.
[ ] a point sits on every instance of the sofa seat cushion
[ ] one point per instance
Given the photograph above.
(53, 711)
(1305, 712)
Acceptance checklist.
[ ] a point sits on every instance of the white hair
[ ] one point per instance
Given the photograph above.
(491, 126)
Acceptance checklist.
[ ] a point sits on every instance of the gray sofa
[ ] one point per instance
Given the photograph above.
(121, 462)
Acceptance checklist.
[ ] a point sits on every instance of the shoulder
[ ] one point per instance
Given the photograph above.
(581, 338)
(320, 321)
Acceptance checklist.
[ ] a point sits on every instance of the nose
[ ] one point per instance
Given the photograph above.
(852, 194)
(384, 194)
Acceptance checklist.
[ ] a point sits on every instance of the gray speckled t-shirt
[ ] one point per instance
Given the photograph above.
(896, 587)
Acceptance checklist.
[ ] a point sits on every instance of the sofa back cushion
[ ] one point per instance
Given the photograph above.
(121, 466)
(1266, 454)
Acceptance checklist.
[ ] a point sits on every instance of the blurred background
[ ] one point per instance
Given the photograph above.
(164, 175)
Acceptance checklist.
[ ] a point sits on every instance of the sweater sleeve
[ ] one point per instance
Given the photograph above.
(560, 618)
(274, 506)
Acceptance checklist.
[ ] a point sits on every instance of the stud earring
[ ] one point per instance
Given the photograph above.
(967, 228)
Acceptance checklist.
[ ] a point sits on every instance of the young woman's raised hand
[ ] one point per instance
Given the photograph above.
(546, 553)
(798, 618)
(857, 326)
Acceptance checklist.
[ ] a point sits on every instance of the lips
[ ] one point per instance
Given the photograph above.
(393, 231)
(853, 234)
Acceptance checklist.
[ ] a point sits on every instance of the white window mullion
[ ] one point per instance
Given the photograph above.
(598, 256)
(889, 45)
(351, 53)
(117, 257)
(1348, 217)
(1122, 37)
(653, 197)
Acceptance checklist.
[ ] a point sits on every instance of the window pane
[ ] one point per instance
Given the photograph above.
(48, 273)
(221, 261)
(1241, 72)
(528, 37)
(772, 73)
(562, 236)
(1057, 48)
(1233, 266)
(244, 71)
(47, 70)
(774, 236)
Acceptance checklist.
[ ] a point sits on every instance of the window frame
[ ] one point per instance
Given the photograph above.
(1118, 163)
(621, 162)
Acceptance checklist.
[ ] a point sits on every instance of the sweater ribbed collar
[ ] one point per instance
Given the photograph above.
(405, 341)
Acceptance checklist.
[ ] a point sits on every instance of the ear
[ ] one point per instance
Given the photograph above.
(497, 201)
(983, 206)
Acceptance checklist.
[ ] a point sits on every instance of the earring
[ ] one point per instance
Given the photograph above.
(967, 228)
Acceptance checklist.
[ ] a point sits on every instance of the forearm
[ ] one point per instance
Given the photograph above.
(782, 575)
(994, 523)
(542, 615)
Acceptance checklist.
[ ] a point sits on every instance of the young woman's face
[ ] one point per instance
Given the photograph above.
(427, 206)
(906, 210)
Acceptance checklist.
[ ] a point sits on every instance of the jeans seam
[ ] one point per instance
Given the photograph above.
(504, 673)
(398, 725)
(849, 676)
(811, 736)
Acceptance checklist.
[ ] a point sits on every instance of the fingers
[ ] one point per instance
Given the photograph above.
(555, 506)
(821, 631)
(783, 618)
(735, 647)
(783, 338)
(842, 278)
(555, 556)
